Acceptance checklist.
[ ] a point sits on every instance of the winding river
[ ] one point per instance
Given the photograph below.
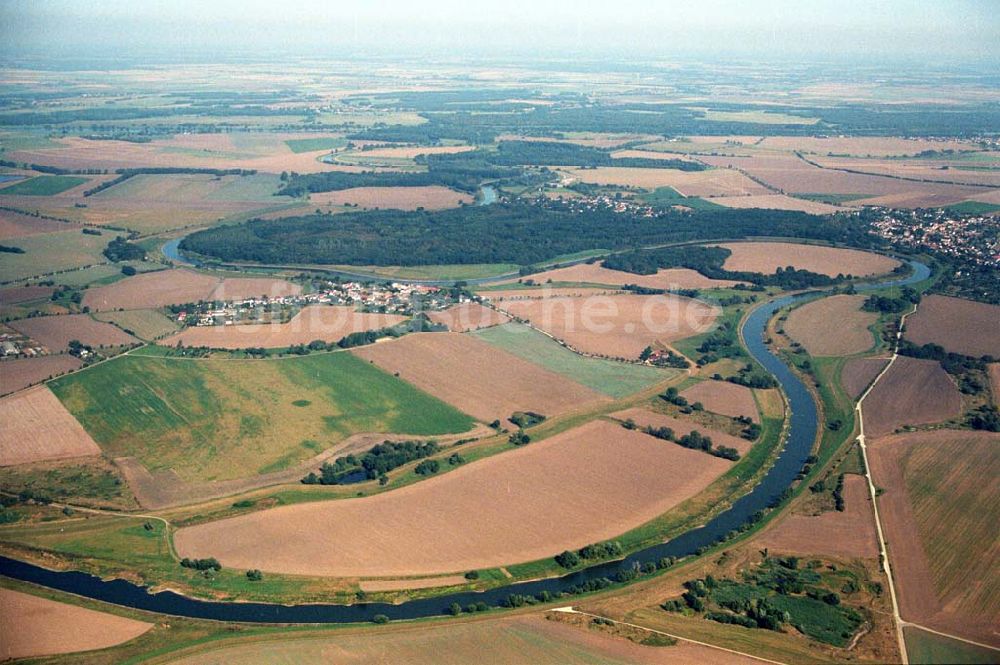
(801, 433)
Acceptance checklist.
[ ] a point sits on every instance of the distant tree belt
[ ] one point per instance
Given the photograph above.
(500, 233)
(708, 261)
(131, 113)
(541, 153)
(125, 174)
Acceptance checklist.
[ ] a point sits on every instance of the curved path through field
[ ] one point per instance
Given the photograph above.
(800, 435)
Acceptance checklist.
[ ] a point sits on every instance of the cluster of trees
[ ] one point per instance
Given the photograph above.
(752, 378)
(201, 564)
(520, 233)
(985, 418)
(10, 249)
(525, 419)
(121, 249)
(375, 463)
(427, 468)
(892, 305)
(751, 430)
(595, 551)
(694, 440)
(520, 438)
(708, 261)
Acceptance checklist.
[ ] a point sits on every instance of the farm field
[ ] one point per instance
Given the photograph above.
(36, 427)
(609, 377)
(179, 286)
(912, 392)
(16, 225)
(46, 253)
(767, 257)
(994, 373)
(939, 510)
(315, 143)
(545, 291)
(846, 534)
(522, 640)
(858, 373)
(528, 504)
(19, 294)
(924, 648)
(225, 419)
(327, 323)
(34, 626)
(776, 202)
(921, 169)
(723, 397)
(43, 185)
(146, 324)
(503, 383)
(644, 417)
(468, 316)
(962, 326)
(56, 332)
(432, 197)
(714, 182)
(812, 325)
(860, 146)
(23, 372)
(615, 326)
(592, 273)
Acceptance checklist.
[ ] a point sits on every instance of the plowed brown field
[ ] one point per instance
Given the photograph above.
(16, 225)
(56, 332)
(432, 197)
(912, 392)
(477, 377)
(592, 273)
(23, 372)
(615, 326)
(767, 257)
(714, 182)
(327, 323)
(468, 316)
(178, 286)
(36, 427)
(645, 417)
(33, 626)
(850, 533)
(959, 325)
(584, 485)
(724, 397)
(832, 326)
(858, 373)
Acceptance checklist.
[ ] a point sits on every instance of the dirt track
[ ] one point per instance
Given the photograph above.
(584, 485)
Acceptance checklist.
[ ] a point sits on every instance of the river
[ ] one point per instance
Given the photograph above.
(801, 433)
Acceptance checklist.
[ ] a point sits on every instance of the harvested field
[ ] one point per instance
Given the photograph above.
(503, 383)
(409, 152)
(592, 139)
(776, 202)
(724, 397)
(593, 273)
(912, 392)
(615, 326)
(832, 326)
(370, 586)
(146, 324)
(16, 225)
(929, 170)
(327, 323)
(713, 182)
(940, 511)
(848, 534)
(528, 504)
(959, 325)
(31, 626)
(522, 640)
(546, 291)
(23, 372)
(222, 419)
(45, 253)
(468, 316)
(858, 373)
(179, 286)
(610, 377)
(994, 373)
(36, 428)
(767, 257)
(17, 294)
(56, 332)
(433, 197)
(862, 146)
(644, 417)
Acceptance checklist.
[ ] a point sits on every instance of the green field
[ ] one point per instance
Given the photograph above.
(52, 252)
(668, 196)
(220, 419)
(973, 208)
(925, 648)
(43, 185)
(147, 324)
(606, 376)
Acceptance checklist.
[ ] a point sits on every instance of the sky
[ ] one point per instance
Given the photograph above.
(955, 30)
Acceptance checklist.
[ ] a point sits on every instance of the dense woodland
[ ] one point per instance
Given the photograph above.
(500, 233)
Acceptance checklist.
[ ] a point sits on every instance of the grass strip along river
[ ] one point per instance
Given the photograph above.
(801, 433)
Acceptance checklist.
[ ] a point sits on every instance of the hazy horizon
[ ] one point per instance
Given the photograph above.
(956, 31)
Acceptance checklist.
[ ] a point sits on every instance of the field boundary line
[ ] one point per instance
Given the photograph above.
(572, 610)
(883, 551)
(950, 636)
